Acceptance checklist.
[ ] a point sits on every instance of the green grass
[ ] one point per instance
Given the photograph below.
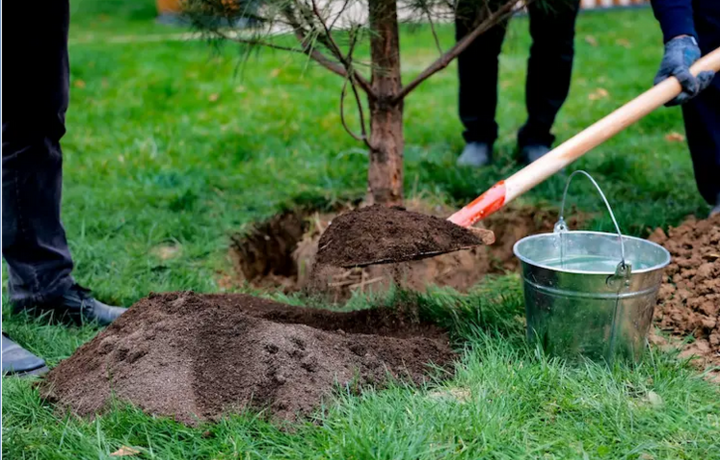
(152, 159)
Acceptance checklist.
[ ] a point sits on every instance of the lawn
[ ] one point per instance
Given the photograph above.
(175, 142)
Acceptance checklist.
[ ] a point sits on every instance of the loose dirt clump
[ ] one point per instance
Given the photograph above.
(196, 357)
(689, 298)
(459, 270)
(381, 234)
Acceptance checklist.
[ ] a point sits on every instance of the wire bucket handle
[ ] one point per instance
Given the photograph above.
(623, 268)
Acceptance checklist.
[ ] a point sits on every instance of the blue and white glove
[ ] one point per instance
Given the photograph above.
(680, 53)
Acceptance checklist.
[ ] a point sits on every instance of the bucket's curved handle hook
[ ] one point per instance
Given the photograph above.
(562, 226)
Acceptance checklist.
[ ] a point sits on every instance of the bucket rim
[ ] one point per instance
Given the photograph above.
(655, 267)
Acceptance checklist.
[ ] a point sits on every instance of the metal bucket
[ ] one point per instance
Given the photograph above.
(590, 294)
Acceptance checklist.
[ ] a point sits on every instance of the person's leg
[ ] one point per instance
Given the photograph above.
(478, 75)
(33, 238)
(702, 114)
(702, 126)
(35, 100)
(552, 27)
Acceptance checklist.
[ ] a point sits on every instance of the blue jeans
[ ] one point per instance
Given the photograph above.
(36, 74)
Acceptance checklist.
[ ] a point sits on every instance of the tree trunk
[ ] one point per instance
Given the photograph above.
(385, 174)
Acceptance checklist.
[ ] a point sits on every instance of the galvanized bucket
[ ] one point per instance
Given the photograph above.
(590, 294)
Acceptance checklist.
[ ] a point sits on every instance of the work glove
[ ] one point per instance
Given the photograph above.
(680, 54)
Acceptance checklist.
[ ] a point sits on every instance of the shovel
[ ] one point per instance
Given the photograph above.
(507, 190)
(405, 249)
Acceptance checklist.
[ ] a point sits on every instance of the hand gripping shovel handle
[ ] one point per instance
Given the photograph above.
(507, 190)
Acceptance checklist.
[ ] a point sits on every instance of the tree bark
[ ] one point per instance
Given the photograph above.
(385, 173)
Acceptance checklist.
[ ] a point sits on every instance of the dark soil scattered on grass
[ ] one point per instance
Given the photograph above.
(196, 357)
(380, 234)
(689, 298)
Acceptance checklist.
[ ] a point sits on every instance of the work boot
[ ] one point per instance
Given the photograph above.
(532, 152)
(77, 306)
(476, 155)
(18, 361)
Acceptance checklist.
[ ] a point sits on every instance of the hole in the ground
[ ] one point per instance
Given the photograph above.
(280, 253)
(266, 251)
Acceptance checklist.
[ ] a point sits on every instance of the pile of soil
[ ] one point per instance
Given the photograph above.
(196, 357)
(380, 234)
(689, 298)
(262, 256)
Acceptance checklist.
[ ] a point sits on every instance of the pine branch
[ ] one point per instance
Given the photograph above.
(343, 69)
(434, 32)
(443, 61)
(256, 42)
(329, 41)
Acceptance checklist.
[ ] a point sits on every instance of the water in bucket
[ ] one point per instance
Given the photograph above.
(591, 263)
(584, 263)
(590, 294)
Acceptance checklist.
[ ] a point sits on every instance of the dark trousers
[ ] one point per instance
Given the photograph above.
(552, 27)
(702, 114)
(35, 99)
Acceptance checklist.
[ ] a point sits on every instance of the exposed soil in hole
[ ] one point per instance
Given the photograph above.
(460, 270)
(689, 298)
(196, 357)
(265, 254)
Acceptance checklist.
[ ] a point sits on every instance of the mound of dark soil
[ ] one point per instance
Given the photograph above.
(380, 234)
(689, 299)
(196, 357)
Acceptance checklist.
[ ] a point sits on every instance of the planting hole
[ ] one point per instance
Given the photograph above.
(280, 254)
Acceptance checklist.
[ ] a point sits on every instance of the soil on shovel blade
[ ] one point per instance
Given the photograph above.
(689, 298)
(196, 357)
(380, 234)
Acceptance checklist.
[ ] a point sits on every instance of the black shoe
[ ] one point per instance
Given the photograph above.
(534, 152)
(476, 155)
(18, 361)
(77, 306)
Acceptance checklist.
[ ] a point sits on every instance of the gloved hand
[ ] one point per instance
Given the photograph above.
(680, 54)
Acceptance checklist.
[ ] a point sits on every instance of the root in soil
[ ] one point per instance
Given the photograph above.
(197, 357)
(271, 245)
(689, 297)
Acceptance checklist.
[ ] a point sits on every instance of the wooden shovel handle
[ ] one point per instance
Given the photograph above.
(505, 191)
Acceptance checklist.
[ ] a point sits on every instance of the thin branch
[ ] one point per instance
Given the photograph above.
(335, 49)
(434, 32)
(310, 50)
(323, 60)
(256, 42)
(443, 61)
(332, 44)
(363, 137)
(361, 113)
(332, 26)
(362, 117)
(351, 48)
